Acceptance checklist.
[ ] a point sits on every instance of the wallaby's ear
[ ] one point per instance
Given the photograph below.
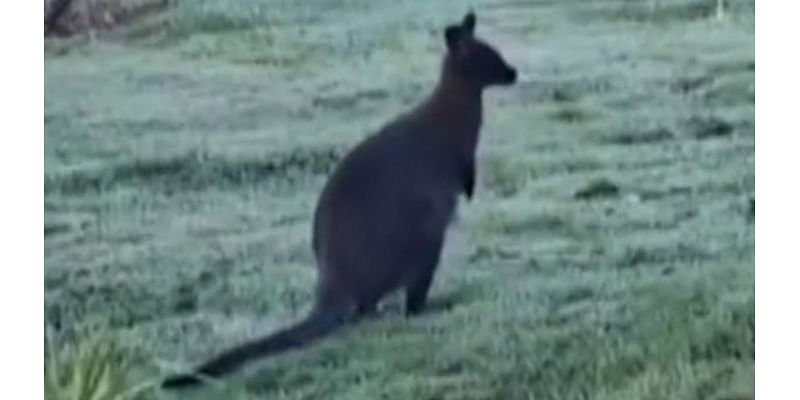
(452, 35)
(468, 24)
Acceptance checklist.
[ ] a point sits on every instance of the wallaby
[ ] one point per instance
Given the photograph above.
(381, 218)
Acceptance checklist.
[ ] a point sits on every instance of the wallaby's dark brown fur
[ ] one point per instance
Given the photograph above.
(381, 218)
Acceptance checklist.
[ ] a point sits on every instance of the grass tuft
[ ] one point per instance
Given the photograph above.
(91, 368)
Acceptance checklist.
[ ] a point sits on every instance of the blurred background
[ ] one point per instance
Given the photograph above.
(608, 252)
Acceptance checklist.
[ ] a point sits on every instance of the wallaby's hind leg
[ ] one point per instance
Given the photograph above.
(427, 261)
(417, 291)
(366, 308)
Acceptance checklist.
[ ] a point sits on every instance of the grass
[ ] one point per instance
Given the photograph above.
(91, 368)
(184, 154)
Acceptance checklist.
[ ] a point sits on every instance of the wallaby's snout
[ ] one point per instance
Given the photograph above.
(510, 76)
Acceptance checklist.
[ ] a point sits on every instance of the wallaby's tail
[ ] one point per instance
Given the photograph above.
(320, 322)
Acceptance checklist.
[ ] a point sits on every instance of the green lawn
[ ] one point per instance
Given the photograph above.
(184, 155)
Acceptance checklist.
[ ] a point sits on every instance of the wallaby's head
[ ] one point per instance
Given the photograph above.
(473, 59)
